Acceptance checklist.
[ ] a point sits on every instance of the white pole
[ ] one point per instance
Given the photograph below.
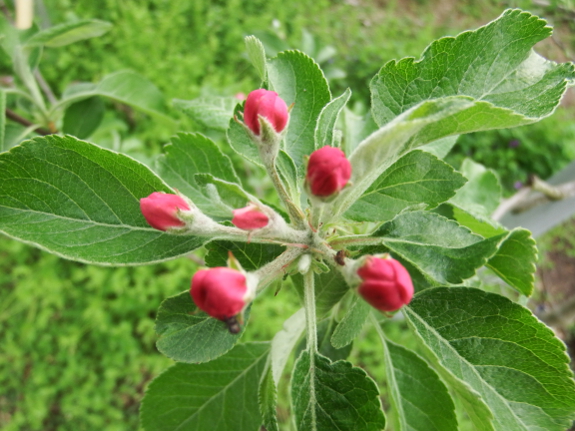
(24, 14)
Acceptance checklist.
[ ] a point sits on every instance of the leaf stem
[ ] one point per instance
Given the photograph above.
(296, 215)
(310, 314)
(354, 240)
(277, 267)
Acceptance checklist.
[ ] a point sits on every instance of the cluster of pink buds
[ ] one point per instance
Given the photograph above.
(386, 284)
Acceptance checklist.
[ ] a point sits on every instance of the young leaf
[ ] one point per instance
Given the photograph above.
(82, 118)
(257, 55)
(325, 330)
(125, 87)
(355, 129)
(211, 112)
(481, 194)
(288, 174)
(494, 63)
(217, 396)
(186, 334)
(415, 179)
(65, 34)
(250, 255)
(325, 132)
(307, 89)
(513, 361)
(330, 287)
(350, 326)
(190, 154)
(284, 342)
(268, 399)
(239, 139)
(441, 147)
(327, 396)
(436, 246)
(420, 399)
(81, 202)
(515, 261)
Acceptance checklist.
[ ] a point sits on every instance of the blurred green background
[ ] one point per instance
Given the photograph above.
(77, 341)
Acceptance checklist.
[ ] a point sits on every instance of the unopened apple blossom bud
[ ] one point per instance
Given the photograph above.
(268, 105)
(250, 218)
(328, 171)
(221, 292)
(160, 210)
(386, 284)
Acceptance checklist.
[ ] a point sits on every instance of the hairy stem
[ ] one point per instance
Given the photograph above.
(310, 315)
(296, 215)
(277, 267)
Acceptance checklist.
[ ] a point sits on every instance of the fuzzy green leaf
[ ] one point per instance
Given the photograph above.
(284, 342)
(257, 55)
(439, 248)
(494, 63)
(268, 399)
(65, 34)
(299, 80)
(81, 202)
(325, 132)
(420, 399)
(187, 334)
(330, 396)
(211, 112)
(251, 256)
(190, 154)
(350, 326)
(515, 261)
(330, 287)
(508, 357)
(417, 180)
(82, 118)
(217, 396)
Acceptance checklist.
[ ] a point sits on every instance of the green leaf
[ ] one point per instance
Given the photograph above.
(481, 194)
(65, 34)
(190, 154)
(82, 118)
(420, 399)
(299, 80)
(325, 132)
(355, 129)
(257, 55)
(330, 287)
(436, 246)
(441, 147)
(350, 326)
(211, 112)
(417, 180)
(125, 87)
(240, 141)
(268, 399)
(251, 256)
(481, 225)
(187, 334)
(288, 174)
(81, 202)
(512, 360)
(334, 396)
(325, 330)
(515, 261)
(217, 396)
(284, 342)
(3, 145)
(494, 63)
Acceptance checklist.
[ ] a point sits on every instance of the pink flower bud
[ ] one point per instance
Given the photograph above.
(160, 210)
(386, 284)
(250, 218)
(328, 171)
(220, 292)
(267, 104)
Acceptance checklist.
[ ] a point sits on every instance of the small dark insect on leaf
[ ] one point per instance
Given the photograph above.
(340, 257)
(233, 325)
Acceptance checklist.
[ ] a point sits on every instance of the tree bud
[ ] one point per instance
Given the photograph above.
(250, 218)
(221, 292)
(328, 171)
(386, 283)
(270, 106)
(160, 210)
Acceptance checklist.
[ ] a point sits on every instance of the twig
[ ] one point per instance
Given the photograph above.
(15, 117)
(45, 87)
